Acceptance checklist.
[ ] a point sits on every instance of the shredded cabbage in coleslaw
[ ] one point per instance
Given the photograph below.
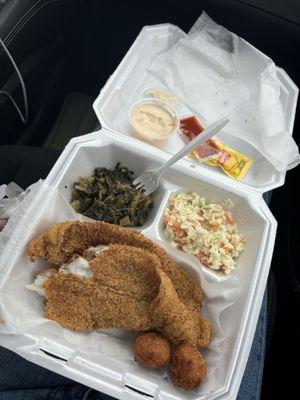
(206, 230)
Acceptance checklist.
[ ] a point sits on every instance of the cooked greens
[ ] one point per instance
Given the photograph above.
(109, 195)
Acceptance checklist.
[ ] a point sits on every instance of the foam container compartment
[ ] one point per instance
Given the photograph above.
(123, 89)
(122, 378)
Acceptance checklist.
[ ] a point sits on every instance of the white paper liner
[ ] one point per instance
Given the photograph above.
(10, 197)
(21, 310)
(217, 73)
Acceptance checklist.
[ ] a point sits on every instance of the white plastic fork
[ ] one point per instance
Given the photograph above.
(149, 179)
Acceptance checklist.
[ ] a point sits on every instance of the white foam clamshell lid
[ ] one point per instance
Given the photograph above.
(104, 359)
(123, 89)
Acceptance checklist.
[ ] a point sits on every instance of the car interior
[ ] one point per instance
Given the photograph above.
(62, 52)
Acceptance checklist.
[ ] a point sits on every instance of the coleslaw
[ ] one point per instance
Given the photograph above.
(206, 230)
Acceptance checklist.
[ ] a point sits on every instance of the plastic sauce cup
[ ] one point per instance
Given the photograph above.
(156, 137)
(163, 94)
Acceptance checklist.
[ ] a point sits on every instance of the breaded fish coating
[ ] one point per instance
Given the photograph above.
(65, 239)
(118, 295)
(129, 283)
(128, 290)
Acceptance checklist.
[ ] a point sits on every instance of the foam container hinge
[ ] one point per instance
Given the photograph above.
(123, 89)
(124, 379)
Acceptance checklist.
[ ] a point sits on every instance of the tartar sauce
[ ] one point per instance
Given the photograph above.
(153, 121)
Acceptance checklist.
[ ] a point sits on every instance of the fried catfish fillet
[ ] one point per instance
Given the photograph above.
(63, 240)
(134, 284)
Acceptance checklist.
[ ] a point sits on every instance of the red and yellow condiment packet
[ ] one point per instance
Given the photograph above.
(214, 152)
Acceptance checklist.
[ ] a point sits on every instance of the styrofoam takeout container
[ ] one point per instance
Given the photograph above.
(121, 378)
(113, 144)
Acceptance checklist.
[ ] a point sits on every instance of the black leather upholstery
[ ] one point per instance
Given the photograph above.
(2, 2)
(33, 31)
(26, 25)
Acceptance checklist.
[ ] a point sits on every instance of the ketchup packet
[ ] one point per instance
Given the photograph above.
(191, 127)
(214, 152)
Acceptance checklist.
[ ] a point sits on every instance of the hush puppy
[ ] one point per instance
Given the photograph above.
(188, 368)
(152, 350)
